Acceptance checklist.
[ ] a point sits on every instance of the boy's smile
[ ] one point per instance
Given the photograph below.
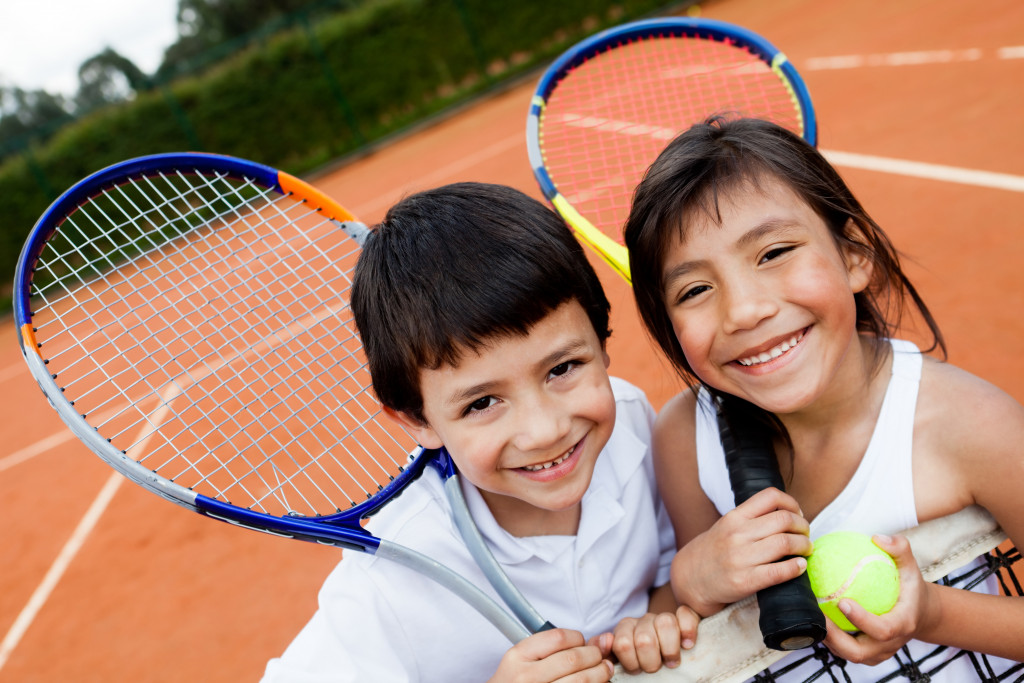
(762, 304)
(525, 419)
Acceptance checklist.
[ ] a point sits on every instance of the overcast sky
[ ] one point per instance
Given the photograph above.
(43, 42)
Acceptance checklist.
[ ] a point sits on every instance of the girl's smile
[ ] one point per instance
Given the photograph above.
(762, 302)
(774, 351)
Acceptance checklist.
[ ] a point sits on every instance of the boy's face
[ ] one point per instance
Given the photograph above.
(525, 419)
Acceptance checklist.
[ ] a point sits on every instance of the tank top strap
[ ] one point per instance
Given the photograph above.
(879, 498)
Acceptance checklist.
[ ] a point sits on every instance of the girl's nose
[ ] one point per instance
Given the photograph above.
(746, 302)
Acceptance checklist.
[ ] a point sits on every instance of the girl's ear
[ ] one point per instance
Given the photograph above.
(421, 431)
(859, 266)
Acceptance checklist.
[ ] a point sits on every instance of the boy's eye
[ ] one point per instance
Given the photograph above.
(563, 368)
(480, 404)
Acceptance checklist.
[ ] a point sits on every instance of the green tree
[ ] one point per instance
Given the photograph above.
(27, 113)
(107, 77)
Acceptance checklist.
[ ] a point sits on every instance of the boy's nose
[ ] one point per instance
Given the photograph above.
(542, 424)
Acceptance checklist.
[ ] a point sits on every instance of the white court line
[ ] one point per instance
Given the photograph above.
(31, 451)
(918, 169)
(444, 172)
(99, 505)
(59, 566)
(909, 58)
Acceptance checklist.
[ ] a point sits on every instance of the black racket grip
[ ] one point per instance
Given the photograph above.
(790, 618)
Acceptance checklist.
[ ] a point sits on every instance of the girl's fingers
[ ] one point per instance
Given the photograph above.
(773, 573)
(648, 643)
(603, 642)
(670, 639)
(625, 644)
(688, 621)
(767, 500)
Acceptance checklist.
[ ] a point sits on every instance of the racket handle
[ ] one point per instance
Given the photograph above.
(790, 618)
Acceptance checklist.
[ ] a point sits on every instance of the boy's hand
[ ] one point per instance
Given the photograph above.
(738, 555)
(646, 643)
(558, 655)
(882, 636)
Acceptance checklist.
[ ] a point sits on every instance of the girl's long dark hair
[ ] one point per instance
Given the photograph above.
(717, 156)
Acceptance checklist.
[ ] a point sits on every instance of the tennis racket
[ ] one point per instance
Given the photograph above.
(187, 316)
(600, 115)
(789, 618)
(604, 110)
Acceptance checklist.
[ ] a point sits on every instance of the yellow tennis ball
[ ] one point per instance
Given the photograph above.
(846, 564)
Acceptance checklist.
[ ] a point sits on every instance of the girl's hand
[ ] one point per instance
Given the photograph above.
(646, 643)
(556, 655)
(880, 637)
(739, 554)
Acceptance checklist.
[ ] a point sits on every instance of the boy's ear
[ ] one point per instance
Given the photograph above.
(859, 266)
(421, 431)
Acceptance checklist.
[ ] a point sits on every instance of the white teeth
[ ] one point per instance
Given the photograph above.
(772, 353)
(558, 461)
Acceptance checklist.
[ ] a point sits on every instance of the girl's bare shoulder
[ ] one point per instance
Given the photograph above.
(957, 404)
(675, 430)
(969, 431)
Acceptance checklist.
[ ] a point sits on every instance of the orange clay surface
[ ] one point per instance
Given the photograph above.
(156, 593)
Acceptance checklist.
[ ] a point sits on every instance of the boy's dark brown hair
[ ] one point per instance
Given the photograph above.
(454, 268)
(716, 157)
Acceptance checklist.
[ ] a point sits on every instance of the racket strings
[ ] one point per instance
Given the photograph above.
(212, 340)
(607, 119)
(153, 280)
(268, 409)
(998, 568)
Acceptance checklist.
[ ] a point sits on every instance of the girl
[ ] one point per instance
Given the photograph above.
(770, 288)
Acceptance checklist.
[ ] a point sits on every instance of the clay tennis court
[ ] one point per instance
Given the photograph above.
(101, 581)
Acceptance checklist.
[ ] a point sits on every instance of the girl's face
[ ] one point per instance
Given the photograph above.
(762, 305)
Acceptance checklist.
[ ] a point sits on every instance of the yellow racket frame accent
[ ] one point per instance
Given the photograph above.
(613, 253)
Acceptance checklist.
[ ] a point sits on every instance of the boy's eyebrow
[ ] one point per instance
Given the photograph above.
(461, 396)
(767, 228)
(571, 347)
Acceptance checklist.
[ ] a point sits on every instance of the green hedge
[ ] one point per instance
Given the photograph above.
(307, 95)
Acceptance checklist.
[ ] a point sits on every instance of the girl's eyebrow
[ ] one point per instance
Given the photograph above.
(679, 271)
(767, 228)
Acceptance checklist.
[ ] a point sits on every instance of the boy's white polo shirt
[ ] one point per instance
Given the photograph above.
(382, 622)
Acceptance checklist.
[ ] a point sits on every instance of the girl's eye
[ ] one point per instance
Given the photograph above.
(480, 404)
(692, 292)
(775, 253)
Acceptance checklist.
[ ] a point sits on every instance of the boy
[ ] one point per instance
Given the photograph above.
(484, 327)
